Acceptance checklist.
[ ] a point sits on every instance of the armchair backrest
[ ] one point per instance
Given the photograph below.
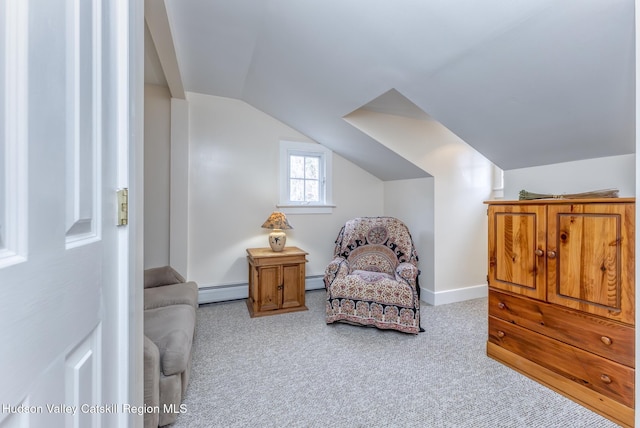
(376, 244)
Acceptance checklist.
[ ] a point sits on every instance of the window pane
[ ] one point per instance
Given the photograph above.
(296, 166)
(296, 190)
(311, 191)
(311, 167)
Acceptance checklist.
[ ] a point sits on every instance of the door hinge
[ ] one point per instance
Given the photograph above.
(123, 206)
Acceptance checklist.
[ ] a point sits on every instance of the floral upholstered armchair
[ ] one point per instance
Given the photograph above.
(373, 277)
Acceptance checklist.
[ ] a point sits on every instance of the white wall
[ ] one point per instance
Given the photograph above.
(412, 202)
(574, 177)
(233, 187)
(462, 181)
(179, 213)
(157, 140)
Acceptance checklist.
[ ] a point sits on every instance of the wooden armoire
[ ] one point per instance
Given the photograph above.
(562, 297)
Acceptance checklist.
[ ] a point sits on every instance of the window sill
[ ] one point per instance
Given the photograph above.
(306, 209)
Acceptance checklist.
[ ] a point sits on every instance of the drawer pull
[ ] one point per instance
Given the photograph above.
(502, 305)
(605, 378)
(500, 334)
(606, 340)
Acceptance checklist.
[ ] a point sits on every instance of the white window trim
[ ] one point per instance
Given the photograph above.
(286, 206)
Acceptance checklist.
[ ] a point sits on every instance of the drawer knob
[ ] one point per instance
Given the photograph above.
(539, 252)
(551, 254)
(501, 333)
(502, 305)
(606, 340)
(605, 378)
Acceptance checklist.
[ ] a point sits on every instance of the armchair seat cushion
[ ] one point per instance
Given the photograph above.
(374, 286)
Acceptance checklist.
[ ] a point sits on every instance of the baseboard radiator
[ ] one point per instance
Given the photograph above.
(223, 293)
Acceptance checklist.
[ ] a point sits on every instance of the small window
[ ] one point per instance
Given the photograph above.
(305, 178)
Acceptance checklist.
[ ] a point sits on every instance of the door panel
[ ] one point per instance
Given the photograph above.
(13, 127)
(270, 281)
(83, 142)
(516, 233)
(291, 280)
(587, 261)
(82, 382)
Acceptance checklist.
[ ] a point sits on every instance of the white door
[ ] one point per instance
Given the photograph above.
(69, 324)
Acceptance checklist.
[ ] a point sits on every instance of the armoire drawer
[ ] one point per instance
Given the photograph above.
(591, 371)
(612, 340)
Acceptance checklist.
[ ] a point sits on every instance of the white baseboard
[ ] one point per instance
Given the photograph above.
(222, 293)
(453, 296)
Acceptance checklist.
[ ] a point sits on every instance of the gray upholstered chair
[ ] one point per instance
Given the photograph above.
(373, 277)
(170, 304)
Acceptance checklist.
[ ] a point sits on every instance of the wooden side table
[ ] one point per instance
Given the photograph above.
(276, 281)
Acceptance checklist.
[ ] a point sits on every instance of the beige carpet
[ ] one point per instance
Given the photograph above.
(293, 370)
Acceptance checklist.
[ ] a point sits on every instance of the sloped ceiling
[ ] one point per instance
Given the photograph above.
(525, 83)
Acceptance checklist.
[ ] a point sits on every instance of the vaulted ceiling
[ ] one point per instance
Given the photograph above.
(525, 83)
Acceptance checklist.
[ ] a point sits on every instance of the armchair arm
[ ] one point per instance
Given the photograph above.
(151, 381)
(407, 272)
(337, 267)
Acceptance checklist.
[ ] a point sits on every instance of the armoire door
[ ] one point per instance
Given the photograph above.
(589, 262)
(517, 248)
